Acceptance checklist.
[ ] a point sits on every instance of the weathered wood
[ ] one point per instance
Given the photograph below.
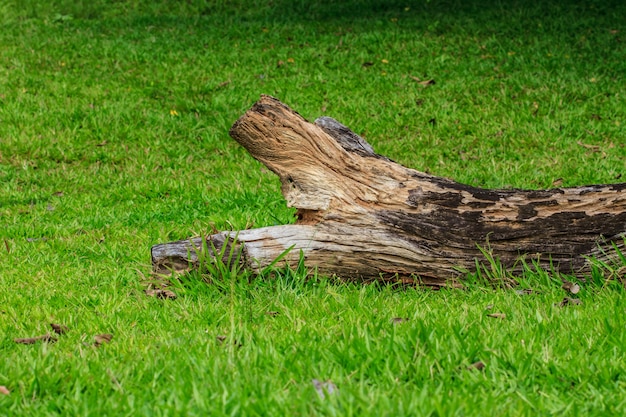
(363, 216)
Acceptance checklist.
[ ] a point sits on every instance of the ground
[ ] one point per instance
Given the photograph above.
(114, 123)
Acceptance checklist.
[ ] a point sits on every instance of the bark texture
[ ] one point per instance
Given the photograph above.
(362, 216)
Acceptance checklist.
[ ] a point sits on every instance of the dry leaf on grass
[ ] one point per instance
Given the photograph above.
(592, 148)
(221, 339)
(497, 315)
(397, 320)
(160, 293)
(324, 387)
(100, 339)
(479, 366)
(426, 83)
(4, 390)
(571, 287)
(32, 340)
(59, 328)
(569, 301)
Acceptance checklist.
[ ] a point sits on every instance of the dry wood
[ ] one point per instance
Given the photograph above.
(362, 216)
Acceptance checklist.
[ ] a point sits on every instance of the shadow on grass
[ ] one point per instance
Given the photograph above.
(366, 15)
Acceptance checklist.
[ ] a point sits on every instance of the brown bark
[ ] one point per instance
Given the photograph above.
(363, 216)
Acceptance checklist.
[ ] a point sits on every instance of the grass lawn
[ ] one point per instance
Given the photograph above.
(114, 121)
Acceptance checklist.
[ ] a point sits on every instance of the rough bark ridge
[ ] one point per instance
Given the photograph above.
(363, 216)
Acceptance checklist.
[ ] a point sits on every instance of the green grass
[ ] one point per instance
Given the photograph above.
(114, 121)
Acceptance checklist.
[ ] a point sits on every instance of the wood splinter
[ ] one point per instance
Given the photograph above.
(361, 216)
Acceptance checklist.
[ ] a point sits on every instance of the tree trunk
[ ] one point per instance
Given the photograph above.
(362, 216)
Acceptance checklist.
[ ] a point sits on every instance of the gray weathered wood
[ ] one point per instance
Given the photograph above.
(363, 216)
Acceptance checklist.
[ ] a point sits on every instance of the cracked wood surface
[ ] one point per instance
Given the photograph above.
(362, 216)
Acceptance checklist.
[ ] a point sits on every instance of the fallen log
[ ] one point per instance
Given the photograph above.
(362, 216)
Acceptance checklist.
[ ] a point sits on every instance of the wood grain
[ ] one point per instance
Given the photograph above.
(362, 216)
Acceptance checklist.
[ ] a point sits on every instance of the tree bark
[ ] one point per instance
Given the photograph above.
(362, 216)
